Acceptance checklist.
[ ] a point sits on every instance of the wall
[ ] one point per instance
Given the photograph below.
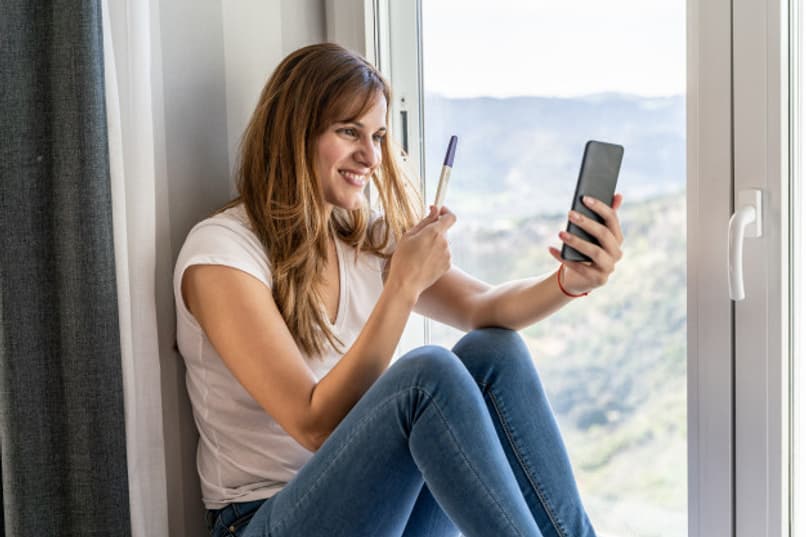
(212, 59)
(258, 35)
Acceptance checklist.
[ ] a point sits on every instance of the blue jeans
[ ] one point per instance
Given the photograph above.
(443, 441)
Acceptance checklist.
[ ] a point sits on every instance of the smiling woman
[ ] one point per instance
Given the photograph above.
(338, 128)
(290, 304)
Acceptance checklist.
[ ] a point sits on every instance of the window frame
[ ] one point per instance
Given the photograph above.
(797, 249)
(761, 94)
(709, 317)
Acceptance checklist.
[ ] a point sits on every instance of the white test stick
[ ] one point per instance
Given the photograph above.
(447, 166)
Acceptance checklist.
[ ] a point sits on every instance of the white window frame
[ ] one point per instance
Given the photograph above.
(762, 346)
(709, 317)
(797, 278)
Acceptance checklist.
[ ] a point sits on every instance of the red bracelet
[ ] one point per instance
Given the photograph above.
(560, 283)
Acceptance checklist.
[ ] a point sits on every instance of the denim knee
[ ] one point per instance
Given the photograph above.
(492, 346)
(432, 359)
(432, 367)
(489, 352)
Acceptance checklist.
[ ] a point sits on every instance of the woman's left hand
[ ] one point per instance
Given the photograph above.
(580, 277)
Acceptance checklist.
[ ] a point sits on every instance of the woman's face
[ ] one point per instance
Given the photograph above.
(346, 155)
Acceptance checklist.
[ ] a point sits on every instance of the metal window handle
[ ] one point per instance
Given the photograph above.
(745, 223)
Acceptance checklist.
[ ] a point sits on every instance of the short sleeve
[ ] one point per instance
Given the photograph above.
(221, 241)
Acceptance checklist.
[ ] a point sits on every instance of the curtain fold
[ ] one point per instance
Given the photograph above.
(62, 436)
(130, 120)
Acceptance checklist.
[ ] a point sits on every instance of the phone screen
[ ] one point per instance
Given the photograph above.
(598, 174)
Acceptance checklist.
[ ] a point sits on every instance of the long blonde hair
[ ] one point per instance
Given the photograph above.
(311, 89)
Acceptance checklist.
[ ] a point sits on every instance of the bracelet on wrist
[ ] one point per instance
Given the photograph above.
(560, 284)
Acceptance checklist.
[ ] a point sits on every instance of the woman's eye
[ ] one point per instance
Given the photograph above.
(349, 131)
(378, 137)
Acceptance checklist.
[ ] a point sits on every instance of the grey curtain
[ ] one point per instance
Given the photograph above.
(62, 437)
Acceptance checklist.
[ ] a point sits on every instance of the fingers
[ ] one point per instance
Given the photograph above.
(607, 213)
(446, 219)
(429, 218)
(438, 221)
(605, 236)
(589, 272)
(601, 259)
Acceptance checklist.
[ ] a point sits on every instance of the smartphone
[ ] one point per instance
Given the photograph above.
(598, 174)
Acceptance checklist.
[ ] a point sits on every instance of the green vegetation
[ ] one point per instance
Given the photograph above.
(613, 363)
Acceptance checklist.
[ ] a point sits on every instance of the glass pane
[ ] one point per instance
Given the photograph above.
(524, 85)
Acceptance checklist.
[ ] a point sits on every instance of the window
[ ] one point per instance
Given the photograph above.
(736, 373)
(530, 84)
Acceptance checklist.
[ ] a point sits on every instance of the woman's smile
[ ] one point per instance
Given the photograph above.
(356, 179)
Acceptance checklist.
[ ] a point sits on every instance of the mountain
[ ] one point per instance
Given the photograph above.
(521, 155)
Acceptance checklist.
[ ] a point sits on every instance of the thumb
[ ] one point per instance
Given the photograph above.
(446, 219)
(430, 217)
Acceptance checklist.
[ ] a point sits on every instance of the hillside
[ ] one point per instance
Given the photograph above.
(613, 363)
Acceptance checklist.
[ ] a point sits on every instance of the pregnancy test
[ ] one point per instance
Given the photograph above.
(447, 166)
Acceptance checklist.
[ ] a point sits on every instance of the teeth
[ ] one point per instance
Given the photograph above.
(358, 180)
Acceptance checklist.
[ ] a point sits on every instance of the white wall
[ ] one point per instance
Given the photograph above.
(257, 35)
(213, 58)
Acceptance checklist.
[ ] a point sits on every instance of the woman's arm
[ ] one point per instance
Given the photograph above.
(241, 319)
(464, 302)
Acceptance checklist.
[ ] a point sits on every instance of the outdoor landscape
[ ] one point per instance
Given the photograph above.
(613, 363)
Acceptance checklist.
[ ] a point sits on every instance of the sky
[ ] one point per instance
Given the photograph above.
(566, 48)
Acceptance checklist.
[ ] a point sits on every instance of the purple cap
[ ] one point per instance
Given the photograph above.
(451, 151)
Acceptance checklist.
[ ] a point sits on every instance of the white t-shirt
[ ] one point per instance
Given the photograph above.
(243, 454)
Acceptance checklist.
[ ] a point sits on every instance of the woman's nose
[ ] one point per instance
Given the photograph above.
(368, 153)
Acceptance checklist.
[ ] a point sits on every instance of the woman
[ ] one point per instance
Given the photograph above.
(290, 304)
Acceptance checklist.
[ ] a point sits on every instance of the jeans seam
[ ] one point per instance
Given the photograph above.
(555, 521)
(359, 426)
(470, 466)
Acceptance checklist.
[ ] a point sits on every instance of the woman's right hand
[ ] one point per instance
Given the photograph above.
(422, 255)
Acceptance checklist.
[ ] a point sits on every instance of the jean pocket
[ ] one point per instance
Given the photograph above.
(232, 529)
(236, 527)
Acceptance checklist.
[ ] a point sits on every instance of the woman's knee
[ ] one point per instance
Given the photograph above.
(433, 359)
(492, 342)
(435, 374)
(432, 366)
(493, 348)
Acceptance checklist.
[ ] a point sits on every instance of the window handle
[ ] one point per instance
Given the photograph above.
(744, 223)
